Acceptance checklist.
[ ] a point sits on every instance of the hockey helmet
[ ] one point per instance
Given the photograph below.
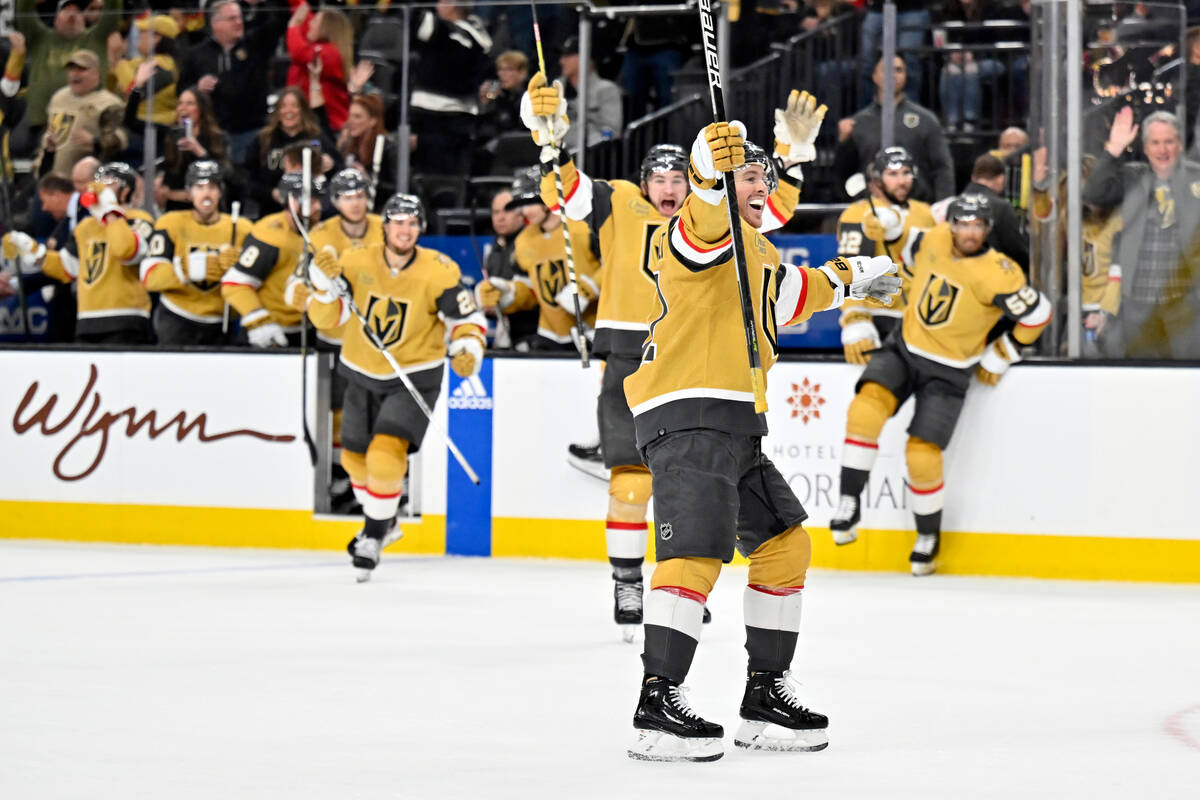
(894, 157)
(347, 181)
(664, 158)
(971, 206)
(756, 155)
(401, 206)
(117, 172)
(526, 189)
(291, 184)
(206, 171)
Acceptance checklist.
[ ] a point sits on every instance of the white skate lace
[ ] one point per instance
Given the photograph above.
(787, 691)
(845, 510)
(629, 596)
(679, 700)
(925, 543)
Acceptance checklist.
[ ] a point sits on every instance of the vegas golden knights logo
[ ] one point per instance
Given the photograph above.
(552, 280)
(93, 263)
(386, 318)
(937, 301)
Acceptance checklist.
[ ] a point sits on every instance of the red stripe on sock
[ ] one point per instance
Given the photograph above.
(776, 591)
(383, 496)
(684, 592)
(857, 443)
(937, 488)
(625, 526)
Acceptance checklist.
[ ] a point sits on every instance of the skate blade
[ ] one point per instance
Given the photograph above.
(659, 746)
(769, 737)
(845, 537)
(362, 575)
(920, 568)
(629, 633)
(595, 469)
(392, 537)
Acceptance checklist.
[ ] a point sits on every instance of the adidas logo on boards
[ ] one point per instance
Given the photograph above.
(470, 394)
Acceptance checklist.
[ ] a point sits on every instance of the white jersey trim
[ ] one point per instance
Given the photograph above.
(620, 325)
(578, 204)
(203, 319)
(546, 333)
(409, 370)
(114, 312)
(692, 394)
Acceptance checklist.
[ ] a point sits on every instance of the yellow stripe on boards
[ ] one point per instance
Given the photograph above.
(207, 527)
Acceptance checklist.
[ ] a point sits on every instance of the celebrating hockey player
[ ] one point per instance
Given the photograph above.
(541, 280)
(714, 490)
(623, 217)
(960, 289)
(414, 300)
(877, 226)
(183, 262)
(256, 281)
(102, 258)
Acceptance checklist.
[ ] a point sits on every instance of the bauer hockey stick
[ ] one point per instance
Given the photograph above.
(758, 382)
(581, 342)
(306, 203)
(234, 211)
(348, 298)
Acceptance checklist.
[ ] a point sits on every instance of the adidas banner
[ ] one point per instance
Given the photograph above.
(469, 507)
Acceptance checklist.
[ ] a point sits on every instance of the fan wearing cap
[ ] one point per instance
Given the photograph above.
(131, 75)
(84, 119)
(540, 281)
(876, 227)
(960, 288)
(50, 48)
(183, 261)
(417, 307)
(102, 258)
(256, 280)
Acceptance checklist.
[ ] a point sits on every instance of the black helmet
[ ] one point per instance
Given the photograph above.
(120, 172)
(401, 206)
(756, 155)
(971, 206)
(893, 157)
(206, 171)
(664, 158)
(526, 188)
(291, 184)
(347, 181)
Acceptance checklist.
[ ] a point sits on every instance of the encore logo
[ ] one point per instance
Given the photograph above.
(96, 424)
(806, 401)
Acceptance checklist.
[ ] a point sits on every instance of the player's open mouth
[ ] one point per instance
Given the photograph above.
(757, 203)
(667, 207)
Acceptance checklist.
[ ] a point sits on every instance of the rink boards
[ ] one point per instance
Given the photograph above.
(1061, 471)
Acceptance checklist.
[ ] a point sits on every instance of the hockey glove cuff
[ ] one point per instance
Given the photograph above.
(466, 356)
(997, 358)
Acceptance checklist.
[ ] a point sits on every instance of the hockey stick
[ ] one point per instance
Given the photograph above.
(376, 163)
(758, 381)
(346, 297)
(581, 342)
(234, 212)
(306, 203)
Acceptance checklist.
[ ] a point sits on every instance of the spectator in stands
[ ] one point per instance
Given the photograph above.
(1160, 212)
(49, 48)
(206, 142)
(499, 263)
(233, 65)
(987, 178)
(915, 128)
(603, 102)
(654, 48)
(321, 46)
(912, 24)
(453, 48)
(356, 144)
(292, 123)
(817, 12)
(54, 197)
(500, 99)
(960, 87)
(132, 77)
(82, 174)
(1012, 140)
(83, 118)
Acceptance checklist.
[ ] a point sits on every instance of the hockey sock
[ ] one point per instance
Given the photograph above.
(674, 614)
(868, 412)
(853, 481)
(928, 523)
(625, 530)
(771, 601)
(925, 483)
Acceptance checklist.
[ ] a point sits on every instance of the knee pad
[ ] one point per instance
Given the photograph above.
(355, 465)
(694, 574)
(924, 463)
(782, 561)
(387, 462)
(870, 409)
(628, 493)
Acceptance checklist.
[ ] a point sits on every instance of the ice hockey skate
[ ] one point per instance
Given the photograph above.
(394, 533)
(774, 720)
(364, 554)
(844, 524)
(923, 559)
(667, 729)
(627, 607)
(587, 458)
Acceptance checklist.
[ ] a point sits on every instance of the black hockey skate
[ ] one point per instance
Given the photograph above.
(773, 719)
(844, 524)
(364, 554)
(627, 607)
(923, 559)
(667, 729)
(589, 459)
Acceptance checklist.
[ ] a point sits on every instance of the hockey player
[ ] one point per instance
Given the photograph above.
(256, 280)
(714, 489)
(414, 300)
(539, 253)
(102, 257)
(623, 217)
(960, 289)
(878, 226)
(183, 262)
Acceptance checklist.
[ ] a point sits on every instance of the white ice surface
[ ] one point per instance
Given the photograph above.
(152, 672)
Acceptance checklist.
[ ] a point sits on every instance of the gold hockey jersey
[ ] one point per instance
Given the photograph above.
(103, 261)
(414, 311)
(543, 258)
(853, 241)
(1101, 277)
(622, 223)
(956, 301)
(330, 234)
(255, 285)
(177, 238)
(695, 372)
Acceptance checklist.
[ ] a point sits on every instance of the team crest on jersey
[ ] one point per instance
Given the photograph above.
(387, 316)
(93, 263)
(552, 280)
(911, 120)
(937, 302)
